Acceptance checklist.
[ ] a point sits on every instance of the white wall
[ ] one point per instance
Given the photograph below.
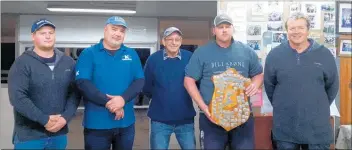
(89, 29)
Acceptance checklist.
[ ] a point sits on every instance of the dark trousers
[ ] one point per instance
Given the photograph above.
(103, 139)
(213, 136)
(294, 146)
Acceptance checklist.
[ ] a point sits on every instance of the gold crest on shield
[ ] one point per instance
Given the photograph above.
(229, 106)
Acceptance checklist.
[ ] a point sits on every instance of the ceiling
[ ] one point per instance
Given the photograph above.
(143, 8)
(191, 10)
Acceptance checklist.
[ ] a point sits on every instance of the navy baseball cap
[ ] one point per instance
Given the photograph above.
(116, 20)
(171, 30)
(41, 23)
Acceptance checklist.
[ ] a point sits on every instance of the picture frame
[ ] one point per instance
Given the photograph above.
(345, 47)
(343, 17)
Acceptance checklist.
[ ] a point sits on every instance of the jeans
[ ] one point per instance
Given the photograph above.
(55, 142)
(160, 135)
(294, 146)
(103, 139)
(213, 136)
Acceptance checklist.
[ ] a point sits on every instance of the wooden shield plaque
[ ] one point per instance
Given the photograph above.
(229, 106)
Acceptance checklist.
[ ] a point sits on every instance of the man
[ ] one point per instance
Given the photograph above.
(110, 76)
(215, 58)
(171, 109)
(41, 91)
(301, 81)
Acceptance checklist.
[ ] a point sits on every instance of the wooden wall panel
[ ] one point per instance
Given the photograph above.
(345, 90)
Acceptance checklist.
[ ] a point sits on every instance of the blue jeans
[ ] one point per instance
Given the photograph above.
(294, 146)
(103, 139)
(56, 142)
(160, 135)
(213, 136)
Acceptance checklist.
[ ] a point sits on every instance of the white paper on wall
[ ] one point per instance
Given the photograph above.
(313, 11)
(333, 110)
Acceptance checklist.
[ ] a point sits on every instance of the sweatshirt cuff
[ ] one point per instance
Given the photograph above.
(44, 120)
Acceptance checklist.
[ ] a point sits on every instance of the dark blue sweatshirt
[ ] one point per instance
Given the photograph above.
(170, 104)
(301, 88)
(36, 91)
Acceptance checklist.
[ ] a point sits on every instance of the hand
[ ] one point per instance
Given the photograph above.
(205, 109)
(52, 121)
(119, 114)
(251, 90)
(115, 103)
(61, 122)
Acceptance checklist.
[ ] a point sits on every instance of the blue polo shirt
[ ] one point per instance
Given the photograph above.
(111, 74)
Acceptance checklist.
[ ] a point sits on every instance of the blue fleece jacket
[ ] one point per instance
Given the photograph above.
(36, 91)
(301, 87)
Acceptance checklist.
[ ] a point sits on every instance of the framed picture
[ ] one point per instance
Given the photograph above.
(345, 48)
(344, 17)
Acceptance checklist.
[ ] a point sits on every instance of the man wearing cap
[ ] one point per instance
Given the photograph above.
(212, 59)
(110, 76)
(42, 92)
(171, 109)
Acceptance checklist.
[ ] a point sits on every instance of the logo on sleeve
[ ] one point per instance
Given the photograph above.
(77, 73)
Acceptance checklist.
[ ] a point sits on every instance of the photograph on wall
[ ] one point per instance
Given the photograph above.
(329, 17)
(328, 7)
(330, 40)
(255, 44)
(258, 9)
(345, 47)
(314, 21)
(329, 28)
(313, 13)
(344, 18)
(311, 8)
(279, 37)
(267, 38)
(254, 30)
(295, 7)
(275, 16)
(275, 26)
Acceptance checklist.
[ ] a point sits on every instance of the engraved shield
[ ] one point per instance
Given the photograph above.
(229, 106)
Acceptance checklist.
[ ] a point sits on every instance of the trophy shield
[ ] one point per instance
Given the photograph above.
(229, 106)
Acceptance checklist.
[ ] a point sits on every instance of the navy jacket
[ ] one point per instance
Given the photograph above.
(301, 88)
(35, 92)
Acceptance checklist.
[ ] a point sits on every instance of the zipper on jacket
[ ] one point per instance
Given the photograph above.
(52, 75)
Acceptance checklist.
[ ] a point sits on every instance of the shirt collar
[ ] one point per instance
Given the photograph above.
(101, 45)
(310, 47)
(166, 56)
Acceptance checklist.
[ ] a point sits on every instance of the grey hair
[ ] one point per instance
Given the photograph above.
(296, 16)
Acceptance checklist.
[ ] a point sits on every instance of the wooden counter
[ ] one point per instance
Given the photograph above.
(262, 129)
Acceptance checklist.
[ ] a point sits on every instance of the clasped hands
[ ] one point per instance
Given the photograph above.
(55, 123)
(115, 105)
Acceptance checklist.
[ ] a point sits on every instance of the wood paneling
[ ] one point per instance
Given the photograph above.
(345, 90)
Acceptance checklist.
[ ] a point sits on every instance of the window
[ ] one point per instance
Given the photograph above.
(8, 53)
